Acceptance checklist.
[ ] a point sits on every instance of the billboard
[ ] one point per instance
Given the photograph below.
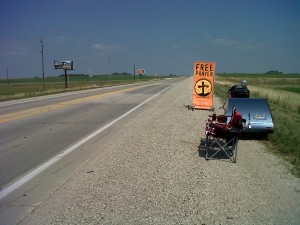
(141, 71)
(64, 65)
(203, 86)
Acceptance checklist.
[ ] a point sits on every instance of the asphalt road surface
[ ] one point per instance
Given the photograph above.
(135, 156)
(38, 132)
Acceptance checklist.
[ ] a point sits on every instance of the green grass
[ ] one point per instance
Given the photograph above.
(283, 97)
(291, 89)
(32, 87)
(255, 75)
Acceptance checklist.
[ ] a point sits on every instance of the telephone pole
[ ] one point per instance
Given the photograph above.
(109, 72)
(43, 67)
(7, 76)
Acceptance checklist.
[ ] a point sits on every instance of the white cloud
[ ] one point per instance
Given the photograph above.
(175, 47)
(239, 45)
(16, 47)
(103, 46)
(225, 42)
(62, 39)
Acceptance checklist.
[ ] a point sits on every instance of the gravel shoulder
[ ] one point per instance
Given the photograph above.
(153, 172)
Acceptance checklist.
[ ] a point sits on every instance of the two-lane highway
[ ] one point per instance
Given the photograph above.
(44, 140)
(33, 131)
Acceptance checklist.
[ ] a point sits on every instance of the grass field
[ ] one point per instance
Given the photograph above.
(283, 94)
(32, 87)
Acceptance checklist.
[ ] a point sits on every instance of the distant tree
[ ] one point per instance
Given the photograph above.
(273, 72)
(124, 73)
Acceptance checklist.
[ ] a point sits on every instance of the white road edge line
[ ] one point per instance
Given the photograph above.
(6, 191)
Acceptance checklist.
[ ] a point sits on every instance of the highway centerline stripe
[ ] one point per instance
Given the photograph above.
(37, 110)
(6, 191)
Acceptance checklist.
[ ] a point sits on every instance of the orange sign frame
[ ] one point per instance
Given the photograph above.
(203, 85)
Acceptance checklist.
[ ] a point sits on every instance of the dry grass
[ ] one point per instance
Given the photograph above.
(285, 108)
(286, 99)
(264, 89)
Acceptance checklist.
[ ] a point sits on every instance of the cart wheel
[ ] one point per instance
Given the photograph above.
(206, 146)
(234, 149)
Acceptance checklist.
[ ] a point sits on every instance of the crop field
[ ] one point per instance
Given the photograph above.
(31, 87)
(283, 95)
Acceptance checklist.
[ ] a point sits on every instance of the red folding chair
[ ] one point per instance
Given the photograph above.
(222, 136)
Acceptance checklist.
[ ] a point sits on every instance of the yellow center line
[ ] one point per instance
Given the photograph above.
(38, 110)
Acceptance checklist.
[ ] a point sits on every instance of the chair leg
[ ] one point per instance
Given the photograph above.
(206, 146)
(234, 149)
(232, 152)
(229, 148)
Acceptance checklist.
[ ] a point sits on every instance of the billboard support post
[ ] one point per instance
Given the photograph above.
(141, 72)
(64, 65)
(66, 79)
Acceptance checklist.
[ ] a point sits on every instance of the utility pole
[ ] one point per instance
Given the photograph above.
(42, 46)
(7, 76)
(134, 71)
(109, 69)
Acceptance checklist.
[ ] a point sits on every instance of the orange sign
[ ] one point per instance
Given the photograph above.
(204, 75)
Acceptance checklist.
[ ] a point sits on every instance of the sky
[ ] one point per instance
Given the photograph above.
(161, 36)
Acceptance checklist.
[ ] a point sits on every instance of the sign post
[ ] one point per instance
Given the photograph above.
(141, 72)
(64, 65)
(203, 86)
